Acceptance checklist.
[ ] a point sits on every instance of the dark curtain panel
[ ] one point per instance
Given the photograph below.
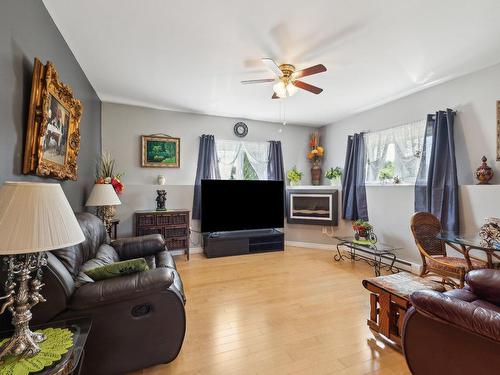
(275, 168)
(436, 188)
(208, 168)
(354, 204)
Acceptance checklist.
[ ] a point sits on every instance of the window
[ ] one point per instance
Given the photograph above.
(394, 153)
(242, 160)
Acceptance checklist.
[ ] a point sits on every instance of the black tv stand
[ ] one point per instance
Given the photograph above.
(219, 244)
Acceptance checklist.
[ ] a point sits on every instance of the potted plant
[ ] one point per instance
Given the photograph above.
(294, 176)
(387, 172)
(315, 155)
(105, 173)
(363, 230)
(334, 175)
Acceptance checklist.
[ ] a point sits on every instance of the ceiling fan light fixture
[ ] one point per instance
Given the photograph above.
(284, 90)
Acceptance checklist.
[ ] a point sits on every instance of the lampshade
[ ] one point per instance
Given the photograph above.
(103, 195)
(36, 217)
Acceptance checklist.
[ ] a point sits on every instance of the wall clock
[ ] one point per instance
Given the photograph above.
(240, 129)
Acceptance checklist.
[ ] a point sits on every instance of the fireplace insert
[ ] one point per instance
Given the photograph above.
(312, 206)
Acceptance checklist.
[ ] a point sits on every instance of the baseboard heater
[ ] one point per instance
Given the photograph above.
(242, 242)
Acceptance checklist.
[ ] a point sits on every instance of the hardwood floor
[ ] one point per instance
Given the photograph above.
(292, 312)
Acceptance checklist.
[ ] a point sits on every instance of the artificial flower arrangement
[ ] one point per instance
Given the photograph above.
(105, 173)
(363, 231)
(317, 152)
(334, 174)
(294, 176)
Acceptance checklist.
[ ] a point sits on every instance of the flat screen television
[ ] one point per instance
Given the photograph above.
(231, 205)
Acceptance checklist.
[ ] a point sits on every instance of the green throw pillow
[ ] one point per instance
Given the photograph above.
(125, 267)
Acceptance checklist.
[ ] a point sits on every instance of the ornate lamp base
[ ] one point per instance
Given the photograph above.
(20, 267)
(106, 214)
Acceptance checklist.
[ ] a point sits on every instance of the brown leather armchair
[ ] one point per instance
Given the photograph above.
(456, 332)
(138, 320)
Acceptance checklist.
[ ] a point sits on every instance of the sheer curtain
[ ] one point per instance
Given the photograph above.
(258, 156)
(409, 142)
(401, 145)
(228, 156)
(377, 144)
(231, 156)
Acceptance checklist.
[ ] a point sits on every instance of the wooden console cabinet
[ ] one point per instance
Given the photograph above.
(173, 225)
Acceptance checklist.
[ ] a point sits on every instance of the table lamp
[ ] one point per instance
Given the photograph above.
(34, 218)
(104, 197)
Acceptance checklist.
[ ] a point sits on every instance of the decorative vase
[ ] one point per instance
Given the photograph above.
(490, 232)
(484, 173)
(316, 174)
(162, 180)
(294, 183)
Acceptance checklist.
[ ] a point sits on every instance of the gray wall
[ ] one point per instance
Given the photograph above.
(122, 126)
(390, 207)
(27, 31)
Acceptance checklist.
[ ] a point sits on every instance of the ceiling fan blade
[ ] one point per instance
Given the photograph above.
(308, 87)
(275, 96)
(320, 68)
(272, 66)
(252, 81)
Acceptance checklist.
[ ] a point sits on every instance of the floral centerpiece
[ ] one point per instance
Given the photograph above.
(105, 173)
(315, 155)
(294, 176)
(363, 231)
(334, 175)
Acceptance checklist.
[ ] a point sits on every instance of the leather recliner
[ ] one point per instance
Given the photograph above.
(456, 332)
(138, 320)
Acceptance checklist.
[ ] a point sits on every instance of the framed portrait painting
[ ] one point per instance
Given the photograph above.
(160, 151)
(53, 134)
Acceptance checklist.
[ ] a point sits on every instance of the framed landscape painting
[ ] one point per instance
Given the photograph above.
(160, 151)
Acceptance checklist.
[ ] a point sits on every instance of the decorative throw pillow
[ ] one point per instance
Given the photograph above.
(125, 267)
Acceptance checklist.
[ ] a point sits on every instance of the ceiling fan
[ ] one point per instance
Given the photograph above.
(287, 82)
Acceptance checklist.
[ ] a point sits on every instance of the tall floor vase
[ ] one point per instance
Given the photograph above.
(316, 174)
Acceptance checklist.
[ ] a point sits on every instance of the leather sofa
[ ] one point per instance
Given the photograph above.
(456, 332)
(138, 320)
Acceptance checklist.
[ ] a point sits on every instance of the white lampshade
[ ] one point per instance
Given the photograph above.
(36, 217)
(103, 195)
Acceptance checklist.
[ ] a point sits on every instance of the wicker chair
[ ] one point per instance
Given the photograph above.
(425, 227)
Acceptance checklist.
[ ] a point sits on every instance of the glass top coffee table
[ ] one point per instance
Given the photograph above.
(378, 251)
(468, 242)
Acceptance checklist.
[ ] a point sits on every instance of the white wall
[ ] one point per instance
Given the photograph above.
(390, 207)
(122, 126)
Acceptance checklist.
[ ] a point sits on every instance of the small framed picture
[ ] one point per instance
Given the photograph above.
(160, 151)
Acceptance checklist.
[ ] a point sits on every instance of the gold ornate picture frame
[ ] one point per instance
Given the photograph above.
(498, 130)
(160, 151)
(53, 130)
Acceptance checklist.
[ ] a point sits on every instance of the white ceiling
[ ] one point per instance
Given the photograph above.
(190, 55)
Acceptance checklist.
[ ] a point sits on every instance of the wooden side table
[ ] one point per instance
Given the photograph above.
(389, 301)
(173, 225)
(113, 230)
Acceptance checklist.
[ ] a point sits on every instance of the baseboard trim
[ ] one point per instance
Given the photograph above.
(401, 263)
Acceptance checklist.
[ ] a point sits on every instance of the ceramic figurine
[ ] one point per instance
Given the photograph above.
(484, 173)
(160, 200)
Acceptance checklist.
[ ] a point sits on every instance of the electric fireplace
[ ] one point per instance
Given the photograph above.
(312, 206)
